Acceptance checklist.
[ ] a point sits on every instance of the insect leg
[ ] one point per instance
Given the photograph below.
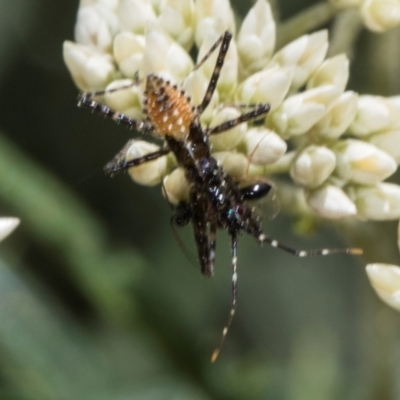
(234, 299)
(259, 110)
(306, 253)
(119, 163)
(224, 40)
(202, 238)
(213, 240)
(97, 93)
(107, 112)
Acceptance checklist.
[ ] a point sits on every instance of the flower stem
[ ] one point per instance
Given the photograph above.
(307, 20)
(345, 31)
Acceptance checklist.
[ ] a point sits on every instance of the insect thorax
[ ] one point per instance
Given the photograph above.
(168, 109)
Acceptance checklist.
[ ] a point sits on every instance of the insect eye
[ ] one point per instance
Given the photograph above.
(256, 191)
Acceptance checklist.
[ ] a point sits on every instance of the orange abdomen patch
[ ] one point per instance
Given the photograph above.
(168, 109)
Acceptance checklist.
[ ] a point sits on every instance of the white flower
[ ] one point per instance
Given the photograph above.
(235, 164)
(385, 279)
(128, 52)
(362, 162)
(149, 173)
(178, 19)
(267, 86)
(134, 15)
(122, 41)
(338, 118)
(256, 38)
(313, 166)
(331, 202)
(175, 187)
(232, 137)
(375, 113)
(388, 141)
(305, 55)
(263, 146)
(333, 71)
(380, 15)
(300, 112)
(211, 13)
(95, 26)
(7, 225)
(380, 202)
(196, 85)
(164, 57)
(90, 69)
(127, 101)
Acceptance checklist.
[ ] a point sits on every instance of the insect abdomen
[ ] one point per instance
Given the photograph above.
(168, 109)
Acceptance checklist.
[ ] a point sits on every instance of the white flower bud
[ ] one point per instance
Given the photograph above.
(362, 162)
(210, 12)
(128, 52)
(379, 203)
(196, 86)
(333, 71)
(235, 164)
(164, 57)
(313, 166)
(268, 86)
(304, 54)
(95, 27)
(229, 73)
(90, 70)
(7, 225)
(175, 187)
(330, 202)
(178, 20)
(256, 39)
(380, 15)
(339, 117)
(389, 142)
(229, 139)
(149, 173)
(134, 15)
(385, 280)
(127, 100)
(375, 114)
(298, 113)
(263, 146)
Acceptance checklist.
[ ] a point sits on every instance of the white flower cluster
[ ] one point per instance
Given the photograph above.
(343, 146)
(377, 15)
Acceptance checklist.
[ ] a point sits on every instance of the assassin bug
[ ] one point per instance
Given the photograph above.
(215, 200)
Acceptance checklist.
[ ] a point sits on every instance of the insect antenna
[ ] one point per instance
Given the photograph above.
(307, 253)
(234, 299)
(224, 40)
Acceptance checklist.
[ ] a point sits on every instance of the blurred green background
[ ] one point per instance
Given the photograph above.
(97, 300)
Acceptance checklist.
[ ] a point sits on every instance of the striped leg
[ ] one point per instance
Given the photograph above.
(224, 40)
(257, 112)
(306, 253)
(234, 299)
(202, 237)
(119, 164)
(86, 100)
(213, 240)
